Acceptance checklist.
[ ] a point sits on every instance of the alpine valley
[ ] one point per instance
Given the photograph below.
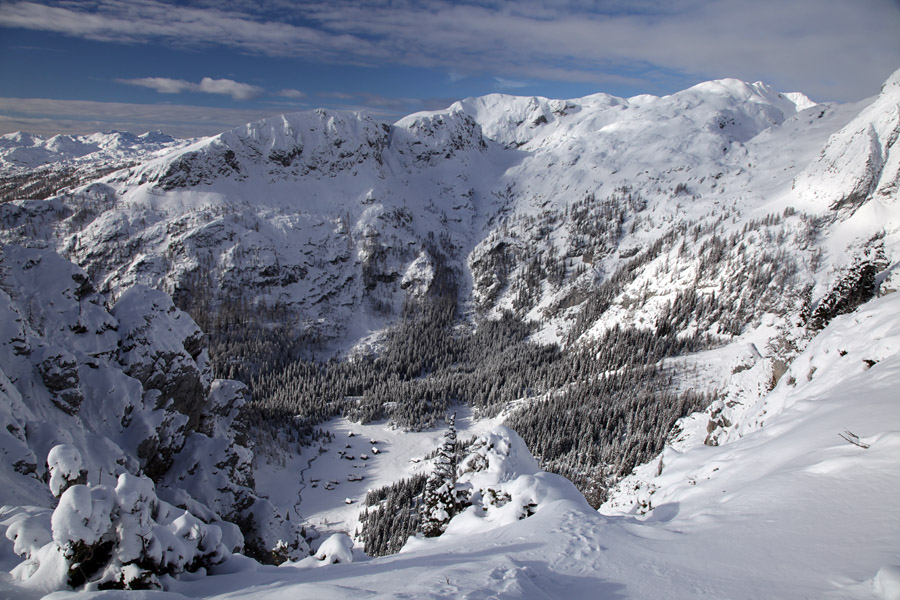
(518, 348)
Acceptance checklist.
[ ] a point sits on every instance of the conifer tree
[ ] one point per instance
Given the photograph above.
(439, 503)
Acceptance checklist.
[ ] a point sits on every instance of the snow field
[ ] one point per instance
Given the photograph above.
(322, 479)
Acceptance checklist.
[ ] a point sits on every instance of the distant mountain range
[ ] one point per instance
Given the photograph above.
(23, 151)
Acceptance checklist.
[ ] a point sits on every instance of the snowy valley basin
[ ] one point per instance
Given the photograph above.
(518, 348)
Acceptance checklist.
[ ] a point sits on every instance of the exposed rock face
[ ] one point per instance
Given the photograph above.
(88, 394)
(163, 349)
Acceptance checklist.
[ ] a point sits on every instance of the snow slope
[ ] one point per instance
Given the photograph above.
(790, 510)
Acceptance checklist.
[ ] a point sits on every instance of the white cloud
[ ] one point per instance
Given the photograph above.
(839, 49)
(49, 117)
(293, 94)
(509, 84)
(238, 91)
(163, 85)
(207, 85)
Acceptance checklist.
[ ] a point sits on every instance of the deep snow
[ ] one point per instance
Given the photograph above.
(790, 510)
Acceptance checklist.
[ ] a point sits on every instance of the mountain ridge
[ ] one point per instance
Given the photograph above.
(366, 160)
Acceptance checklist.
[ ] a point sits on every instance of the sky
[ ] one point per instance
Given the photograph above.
(198, 67)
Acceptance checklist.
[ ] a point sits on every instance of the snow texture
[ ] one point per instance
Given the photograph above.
(791, 509)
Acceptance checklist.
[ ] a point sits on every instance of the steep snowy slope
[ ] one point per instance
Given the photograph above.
(114, 391)
(716, 156)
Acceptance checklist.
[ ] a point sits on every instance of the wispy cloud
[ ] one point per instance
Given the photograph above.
(207, 85)
(509, 84)
(292, 94)
(46, 116)
(841, 49)
(140, 21)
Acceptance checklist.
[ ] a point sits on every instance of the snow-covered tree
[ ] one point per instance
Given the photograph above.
(440, 501)
(120, 537)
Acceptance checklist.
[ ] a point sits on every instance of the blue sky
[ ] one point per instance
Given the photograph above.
(201, 66)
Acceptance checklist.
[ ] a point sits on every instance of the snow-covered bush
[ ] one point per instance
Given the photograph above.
(505, 482)
(336, 549)
(29, 530)
(107, 537)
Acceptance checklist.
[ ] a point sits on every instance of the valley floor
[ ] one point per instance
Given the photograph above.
(320, 477)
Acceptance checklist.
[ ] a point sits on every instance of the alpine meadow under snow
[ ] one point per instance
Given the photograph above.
(518, 348)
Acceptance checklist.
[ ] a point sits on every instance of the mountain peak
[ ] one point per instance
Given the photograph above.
(309, 143)
(892, 84)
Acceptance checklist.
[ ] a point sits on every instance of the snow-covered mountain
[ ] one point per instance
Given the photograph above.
(315, 212)
(529, 201)
(585, 270)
